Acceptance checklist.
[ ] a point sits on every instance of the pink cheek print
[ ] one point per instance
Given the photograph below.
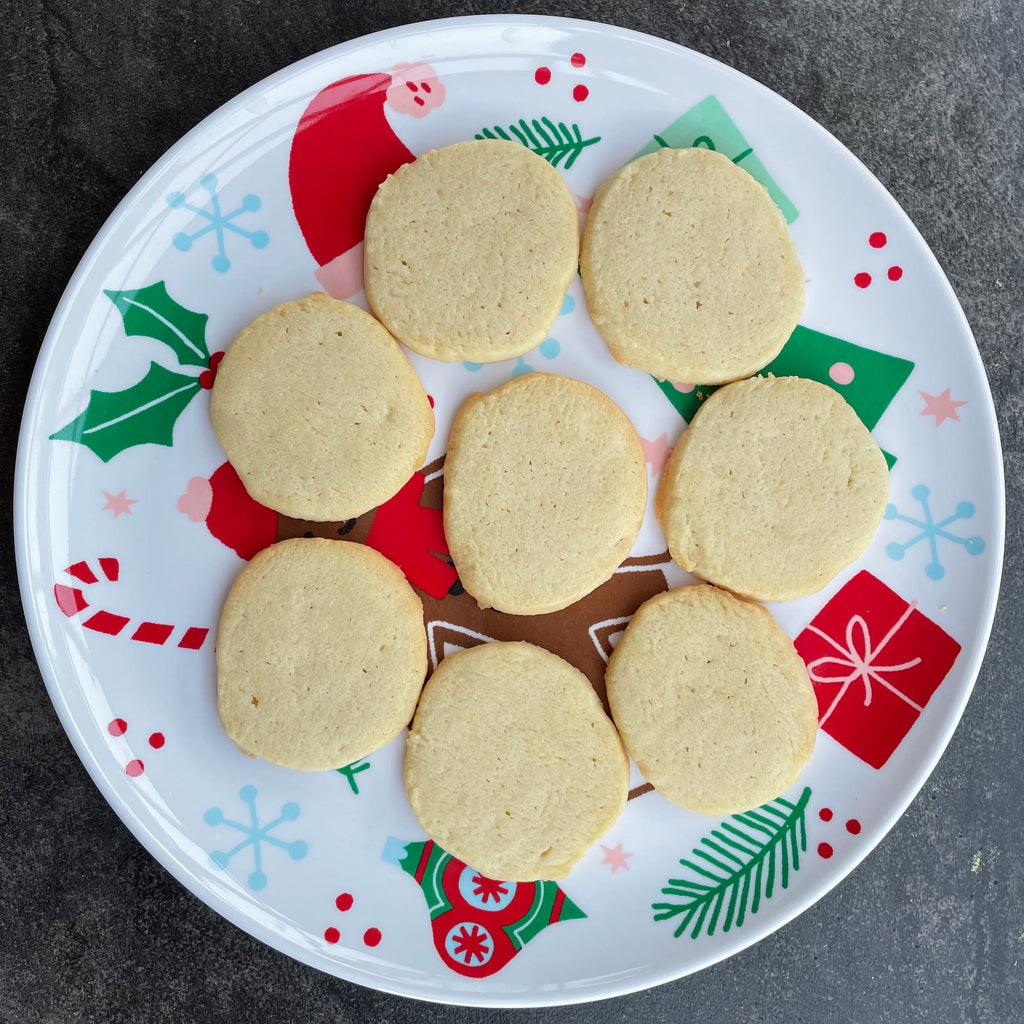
(237, 520)
(342, 277)
(656, 453)
(415, 90)
(197, 499)
(841, 373)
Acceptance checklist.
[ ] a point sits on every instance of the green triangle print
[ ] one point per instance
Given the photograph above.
(869, 380)
(708, 125)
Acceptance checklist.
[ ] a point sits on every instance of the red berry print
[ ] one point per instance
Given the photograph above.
(543, 76)
(853, 827)
(117, 727)
(824, 850)
(825, 814)
(841, 373)
(207, 377)
(344, 902)
(430, 399)
(877, 240)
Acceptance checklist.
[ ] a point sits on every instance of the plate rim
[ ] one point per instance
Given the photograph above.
(153, 841)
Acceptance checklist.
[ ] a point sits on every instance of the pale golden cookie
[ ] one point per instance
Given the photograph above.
(469, 251)
(689, 269)
(321, 654)
(774, 487)
(712, 700)
(320, 411)
(545, 487)
(512, 765)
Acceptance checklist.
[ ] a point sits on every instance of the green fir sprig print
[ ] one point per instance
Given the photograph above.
(556, 143)
(146, 412)
(731, 872)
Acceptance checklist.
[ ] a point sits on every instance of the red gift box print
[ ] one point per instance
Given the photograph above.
(874, 662)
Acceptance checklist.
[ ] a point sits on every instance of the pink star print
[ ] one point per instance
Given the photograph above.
(118, 504)
(942, 407)
(656, 452)
(614, 857)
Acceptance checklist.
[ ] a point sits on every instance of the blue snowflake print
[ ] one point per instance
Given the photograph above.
(932, 532)
(218, 222)
(255, 836)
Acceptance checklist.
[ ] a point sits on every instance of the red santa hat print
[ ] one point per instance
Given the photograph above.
(343, 148)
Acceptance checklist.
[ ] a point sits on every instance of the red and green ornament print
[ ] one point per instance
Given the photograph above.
(479, 924)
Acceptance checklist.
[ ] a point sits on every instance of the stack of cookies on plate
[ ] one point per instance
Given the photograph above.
(512, 764)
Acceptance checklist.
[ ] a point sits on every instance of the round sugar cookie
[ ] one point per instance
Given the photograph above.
(320, 411)
(469, 250)
(512, 764)
(774, 487)
(712, 700)
(321, 654)
(689, 269)
(545, 487)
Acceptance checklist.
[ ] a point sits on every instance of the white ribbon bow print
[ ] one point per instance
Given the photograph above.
(854, 665)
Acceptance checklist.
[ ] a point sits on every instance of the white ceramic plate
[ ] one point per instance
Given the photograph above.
(131, 529)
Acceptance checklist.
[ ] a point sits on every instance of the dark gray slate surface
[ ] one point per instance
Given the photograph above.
(930, 96)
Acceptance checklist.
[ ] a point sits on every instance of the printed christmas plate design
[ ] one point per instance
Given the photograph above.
(131, 524)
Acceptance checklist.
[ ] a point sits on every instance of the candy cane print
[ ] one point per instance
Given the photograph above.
(71, 601)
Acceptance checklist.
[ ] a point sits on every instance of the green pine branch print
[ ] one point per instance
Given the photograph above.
(737, 867)
(554, 142)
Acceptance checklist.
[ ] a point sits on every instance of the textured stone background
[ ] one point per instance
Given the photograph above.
(930, 95)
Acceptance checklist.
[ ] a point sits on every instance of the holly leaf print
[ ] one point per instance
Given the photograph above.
(145, 413)
(151, 313)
